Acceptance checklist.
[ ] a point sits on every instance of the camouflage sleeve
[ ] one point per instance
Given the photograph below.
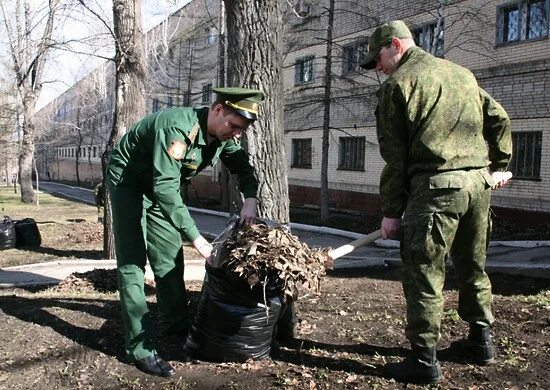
(236, 161)
(391, 125)
(497, 132)
(166, 183)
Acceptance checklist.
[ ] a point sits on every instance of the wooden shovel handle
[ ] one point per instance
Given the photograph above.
(345, 249)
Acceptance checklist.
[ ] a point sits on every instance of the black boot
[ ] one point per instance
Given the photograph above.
(421, 367)
(154, 365)
(481, 345)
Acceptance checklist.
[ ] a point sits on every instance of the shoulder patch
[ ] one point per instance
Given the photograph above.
(177, 149)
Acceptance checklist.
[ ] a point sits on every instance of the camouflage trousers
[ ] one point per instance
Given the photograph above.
(446, 214)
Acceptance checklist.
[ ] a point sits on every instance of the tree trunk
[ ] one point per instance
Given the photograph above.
(325, 196)
(130, 87)
(26, 155)
(254, 57)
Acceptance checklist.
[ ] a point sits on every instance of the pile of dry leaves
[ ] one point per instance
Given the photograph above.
(257, 252)
(97, 280)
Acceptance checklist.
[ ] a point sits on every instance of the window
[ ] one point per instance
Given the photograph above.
(522, 20)
(351, 154)
(207, 93)
(526, 155)
(170, 102)
(94, 151)
(301, 153)
(303, 70)
(352, 56)
(156, 105)
(186, 100)
(210, 33)
(430, 38)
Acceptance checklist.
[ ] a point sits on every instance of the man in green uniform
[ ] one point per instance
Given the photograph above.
(145, 173)
(446, 143)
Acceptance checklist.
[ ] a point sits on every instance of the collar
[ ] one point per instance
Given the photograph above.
(407, 55)
(202, 115)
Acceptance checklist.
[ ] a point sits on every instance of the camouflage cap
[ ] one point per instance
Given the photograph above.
(382, 36)
(244, 101)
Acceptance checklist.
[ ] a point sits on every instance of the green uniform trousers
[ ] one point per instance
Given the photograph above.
(141, 232)
(446, 213)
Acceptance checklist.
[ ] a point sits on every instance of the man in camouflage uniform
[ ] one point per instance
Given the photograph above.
(145, 172)
(446, 143)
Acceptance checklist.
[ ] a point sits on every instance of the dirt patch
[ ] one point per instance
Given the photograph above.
(348, 331)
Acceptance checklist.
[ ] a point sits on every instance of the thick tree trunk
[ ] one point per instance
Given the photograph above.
(130, 88)
(254, 60)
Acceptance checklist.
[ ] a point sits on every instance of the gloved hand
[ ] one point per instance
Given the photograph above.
(203, 247)
(500, 178)
(248, 212)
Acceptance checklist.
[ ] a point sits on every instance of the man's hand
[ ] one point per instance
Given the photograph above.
(204, 248)
(500, 178)
(390, 228)
(248, 212)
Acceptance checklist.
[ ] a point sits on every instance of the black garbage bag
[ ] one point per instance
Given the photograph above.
(27, 233)
(7, 234)
(233, 322)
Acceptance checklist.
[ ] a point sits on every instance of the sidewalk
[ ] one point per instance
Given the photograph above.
(529, 258)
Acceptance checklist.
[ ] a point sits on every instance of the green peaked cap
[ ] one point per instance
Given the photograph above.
(244, 101)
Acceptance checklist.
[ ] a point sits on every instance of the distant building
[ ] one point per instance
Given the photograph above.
(505, 43)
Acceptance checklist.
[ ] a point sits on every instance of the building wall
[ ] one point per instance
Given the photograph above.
(516, 74)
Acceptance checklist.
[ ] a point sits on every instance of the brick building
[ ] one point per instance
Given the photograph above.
(505, 44)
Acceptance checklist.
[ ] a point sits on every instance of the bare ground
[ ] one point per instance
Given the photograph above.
(71, 338)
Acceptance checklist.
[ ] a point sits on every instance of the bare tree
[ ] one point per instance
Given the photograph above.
(254, 59)
(29, 41)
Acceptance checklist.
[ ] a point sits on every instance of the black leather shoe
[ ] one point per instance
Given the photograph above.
(154, 365)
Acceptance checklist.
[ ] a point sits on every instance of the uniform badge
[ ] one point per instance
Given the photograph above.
(177, 150)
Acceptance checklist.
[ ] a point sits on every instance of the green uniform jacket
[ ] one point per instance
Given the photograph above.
(433, 117)
(144, 160)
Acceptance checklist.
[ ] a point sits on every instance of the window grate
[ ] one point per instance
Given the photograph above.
(351, 154)
(526, 155)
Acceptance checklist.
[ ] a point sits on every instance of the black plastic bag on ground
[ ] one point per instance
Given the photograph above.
(232, 323)
(7, 234)
(27, 233)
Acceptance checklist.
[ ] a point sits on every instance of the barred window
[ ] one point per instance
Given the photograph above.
(430, 38)
(207, 93)
(170, 102)
(301, 153)
(303, 70)
(156, 105)
(351, 154)
(526, 155)
(522, 20)
(353, 55)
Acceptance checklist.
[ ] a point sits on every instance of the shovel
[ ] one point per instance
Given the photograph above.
(347, 248)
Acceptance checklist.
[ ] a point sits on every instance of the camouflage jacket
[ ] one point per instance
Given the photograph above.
(167, 148)
(433, 117)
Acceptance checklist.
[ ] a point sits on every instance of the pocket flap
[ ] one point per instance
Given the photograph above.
(447, 180)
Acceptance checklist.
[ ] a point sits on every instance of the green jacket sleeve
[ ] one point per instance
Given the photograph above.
(497, 132)
(166, 183)
(236, 161)
(393, 139)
